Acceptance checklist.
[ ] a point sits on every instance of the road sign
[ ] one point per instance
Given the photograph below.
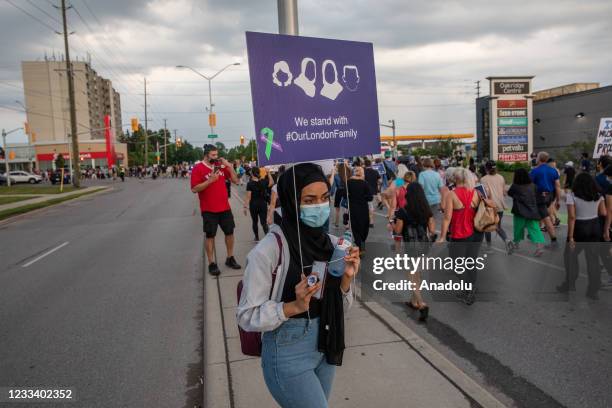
(213, 136)
(313, 98)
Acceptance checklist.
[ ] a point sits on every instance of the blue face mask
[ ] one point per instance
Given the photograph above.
(314, 215)
(399, 182)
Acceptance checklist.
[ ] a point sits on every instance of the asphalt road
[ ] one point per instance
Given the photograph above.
(525, 342)
(104, 295)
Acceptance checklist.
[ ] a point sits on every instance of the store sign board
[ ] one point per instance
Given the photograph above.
(512, 122)
(511, 88)
(508, 140)
(511, 103)
(513, 131)
(511, 113)
(512, 157)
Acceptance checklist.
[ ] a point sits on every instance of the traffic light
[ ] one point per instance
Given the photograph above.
(11, 155)
(241, 140)
(179, 142)
(212, 120)
(26, 127)
(1, 153)
(134, 124)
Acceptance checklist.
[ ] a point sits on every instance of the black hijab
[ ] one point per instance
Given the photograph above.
(315, 246)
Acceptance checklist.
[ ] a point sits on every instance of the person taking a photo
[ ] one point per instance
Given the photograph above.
(208, 179)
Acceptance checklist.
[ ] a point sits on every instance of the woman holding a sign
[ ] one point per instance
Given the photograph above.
(301, 317)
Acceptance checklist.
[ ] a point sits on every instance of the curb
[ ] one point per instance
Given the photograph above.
(445, 367)
(17, 217)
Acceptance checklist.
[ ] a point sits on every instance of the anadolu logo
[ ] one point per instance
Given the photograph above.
(266, 135)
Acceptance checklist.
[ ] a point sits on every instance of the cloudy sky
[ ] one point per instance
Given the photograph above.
(428, 54)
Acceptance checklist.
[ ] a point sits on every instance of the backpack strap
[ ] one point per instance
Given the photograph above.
(279, 242)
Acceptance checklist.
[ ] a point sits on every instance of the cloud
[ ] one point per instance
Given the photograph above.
(428, 54)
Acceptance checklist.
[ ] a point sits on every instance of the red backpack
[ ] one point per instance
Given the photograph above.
(250, 342)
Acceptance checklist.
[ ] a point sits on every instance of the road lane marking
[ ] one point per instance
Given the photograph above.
(49, 252)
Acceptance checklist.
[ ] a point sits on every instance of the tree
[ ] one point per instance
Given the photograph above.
(575, 150)
(59, 161)
(249, 151)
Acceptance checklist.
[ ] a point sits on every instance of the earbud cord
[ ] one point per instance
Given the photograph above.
(348, 205)
(297, 216)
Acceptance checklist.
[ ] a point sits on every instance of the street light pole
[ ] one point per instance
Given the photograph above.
(6, 162)
(288, 17)
(392, 127)
(209, 79)
(210, 106)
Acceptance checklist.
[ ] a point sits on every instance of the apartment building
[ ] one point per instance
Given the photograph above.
(47, 108)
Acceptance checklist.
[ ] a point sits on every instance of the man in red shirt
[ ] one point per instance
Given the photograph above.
(208, 181)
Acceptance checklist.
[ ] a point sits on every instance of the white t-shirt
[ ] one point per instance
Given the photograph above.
(585, 210)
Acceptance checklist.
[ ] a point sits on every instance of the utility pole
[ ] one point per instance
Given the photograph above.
(165, 144)
(76, 171)
(477, 89)
(146, 135)
(392, 121)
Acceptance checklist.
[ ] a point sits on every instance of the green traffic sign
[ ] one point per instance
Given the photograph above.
(213, 136)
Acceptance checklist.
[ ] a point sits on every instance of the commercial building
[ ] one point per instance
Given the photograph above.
(561, 117)
(21, 156)
(48, 114)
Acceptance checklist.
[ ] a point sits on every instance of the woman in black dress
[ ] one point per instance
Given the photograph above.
(256, 202)
(358, 196)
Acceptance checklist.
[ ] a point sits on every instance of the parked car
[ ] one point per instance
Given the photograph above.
(21, 177)
(56, 177)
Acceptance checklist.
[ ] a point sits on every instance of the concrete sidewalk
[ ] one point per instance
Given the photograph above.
(385, 363)
(39, 198)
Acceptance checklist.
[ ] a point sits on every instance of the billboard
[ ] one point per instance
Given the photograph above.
(511, 128)
(313, 98)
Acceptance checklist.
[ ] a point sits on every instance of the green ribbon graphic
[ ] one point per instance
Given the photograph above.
(269, 134)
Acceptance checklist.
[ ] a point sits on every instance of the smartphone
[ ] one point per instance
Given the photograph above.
(320, 268)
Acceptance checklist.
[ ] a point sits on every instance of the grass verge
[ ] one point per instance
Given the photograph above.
(35, 206)
(10, 199)
(34, 189)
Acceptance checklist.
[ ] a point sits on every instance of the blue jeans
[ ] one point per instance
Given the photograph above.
(295, 372)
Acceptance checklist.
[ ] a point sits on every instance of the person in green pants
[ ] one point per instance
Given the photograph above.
(525, 211)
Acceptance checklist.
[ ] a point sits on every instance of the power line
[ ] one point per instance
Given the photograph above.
(44, 11)
(32, 16)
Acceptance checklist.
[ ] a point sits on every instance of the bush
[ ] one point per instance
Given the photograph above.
(503, 166)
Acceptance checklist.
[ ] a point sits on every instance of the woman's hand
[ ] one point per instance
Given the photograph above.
(352, 262)
(244, 210)
(572, 243)
(303, 294)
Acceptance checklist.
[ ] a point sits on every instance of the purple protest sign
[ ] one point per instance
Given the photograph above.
(313, 98)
